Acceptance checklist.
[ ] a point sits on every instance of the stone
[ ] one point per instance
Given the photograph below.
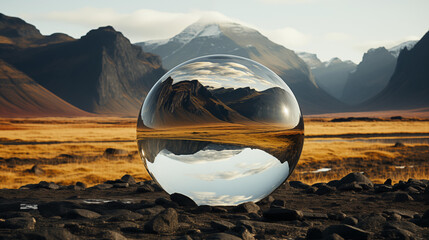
(350, 221)
(278, 203)
(111, 235)
(402, 212)
(339, 216)
(282, 214)
(396, 234)
(357, 177)
(165, 222)
(314, 233)
(388, 182)
(347, 232)
(311, 190)
(48, 185)
(128, 179)
(57, 208)
(334, 183)
(313, 215)
(222, 236)
(103, 186)
(222, 225)
(247, 207)
(202, 209)
(244, 234)
(298, 184)
(81, 214)
(325, 189)
(166, 203)
(151, 211)
(50, 233)
(383, 188)
(36, 170)
(109, 152)
(123, 215)
(350, 187)
(182, 200)
(121, 185)
(371, 222)
(402, 197)
(217, 209)
(333, 236)
(18, 223)
(145, 189)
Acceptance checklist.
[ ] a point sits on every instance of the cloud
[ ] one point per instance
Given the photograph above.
(212, 198)
(288, 37)
(140, 25)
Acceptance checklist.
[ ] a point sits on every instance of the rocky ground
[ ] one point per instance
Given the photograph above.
(350, 208)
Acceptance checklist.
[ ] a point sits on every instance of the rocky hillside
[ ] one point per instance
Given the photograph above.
(101, 73)
(21, 96)
(409, 85)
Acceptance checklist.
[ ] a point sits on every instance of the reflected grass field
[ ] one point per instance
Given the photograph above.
(25, 142)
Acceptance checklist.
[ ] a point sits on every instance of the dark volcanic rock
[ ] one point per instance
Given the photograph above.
(314, 233)
(282, 214)
(324, 189)
(402, 197)
(350, 221)
(36, 170)
(357, 177)
(165, 222)
(128, 179)
(222, 236)
(166, 203)
(145, 189)
(298, 184)
(57, 208)
(222, 225)
(182, 200)
(81, 213)
(247, 207)
(347, 232)
(18, 223)
(50, 233)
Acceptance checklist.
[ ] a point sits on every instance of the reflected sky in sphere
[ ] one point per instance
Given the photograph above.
(221, 130)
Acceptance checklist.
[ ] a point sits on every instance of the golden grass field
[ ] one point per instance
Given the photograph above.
(84, 141)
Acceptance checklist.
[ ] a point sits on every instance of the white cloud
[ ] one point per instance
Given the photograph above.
(140, 25)
(288, 37)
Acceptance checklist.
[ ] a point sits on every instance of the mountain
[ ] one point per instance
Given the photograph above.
(202, 38)
(264, 106)
(332, 76)
(21, 96)
(310, 58)
(371, 76)
(187, 102)
(398, 48)
(15, 31)
(102, 72)
(408, 87)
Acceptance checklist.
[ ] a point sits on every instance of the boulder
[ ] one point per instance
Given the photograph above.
(357, 177)
(165, 222)
(182, 200)
(282, 214)
(347, 232)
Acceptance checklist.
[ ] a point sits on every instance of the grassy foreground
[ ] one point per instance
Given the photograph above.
(72, 149)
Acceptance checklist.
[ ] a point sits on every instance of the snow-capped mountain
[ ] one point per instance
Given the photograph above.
(204, 38)
(310, 58)
(397, 49)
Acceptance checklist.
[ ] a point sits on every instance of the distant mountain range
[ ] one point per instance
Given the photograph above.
(100, 73)
(231, 38)
(103, 73)
(409, 85)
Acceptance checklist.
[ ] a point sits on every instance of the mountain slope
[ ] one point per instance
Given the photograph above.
(409, 85)
(398, 48)
(231, 38)
(20, 96)
(371, 76)
(101, 73)
(17, 32)
(187, 103)
(332, 76)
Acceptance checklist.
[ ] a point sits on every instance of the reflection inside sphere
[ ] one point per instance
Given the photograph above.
(220, 129)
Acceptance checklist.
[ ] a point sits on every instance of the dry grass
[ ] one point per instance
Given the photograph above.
(87, 138)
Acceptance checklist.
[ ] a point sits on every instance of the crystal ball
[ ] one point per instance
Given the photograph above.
(221, 130)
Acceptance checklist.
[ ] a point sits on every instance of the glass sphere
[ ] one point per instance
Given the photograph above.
(221, 130)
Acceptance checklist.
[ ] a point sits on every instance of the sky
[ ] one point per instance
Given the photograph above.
(329, 28)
